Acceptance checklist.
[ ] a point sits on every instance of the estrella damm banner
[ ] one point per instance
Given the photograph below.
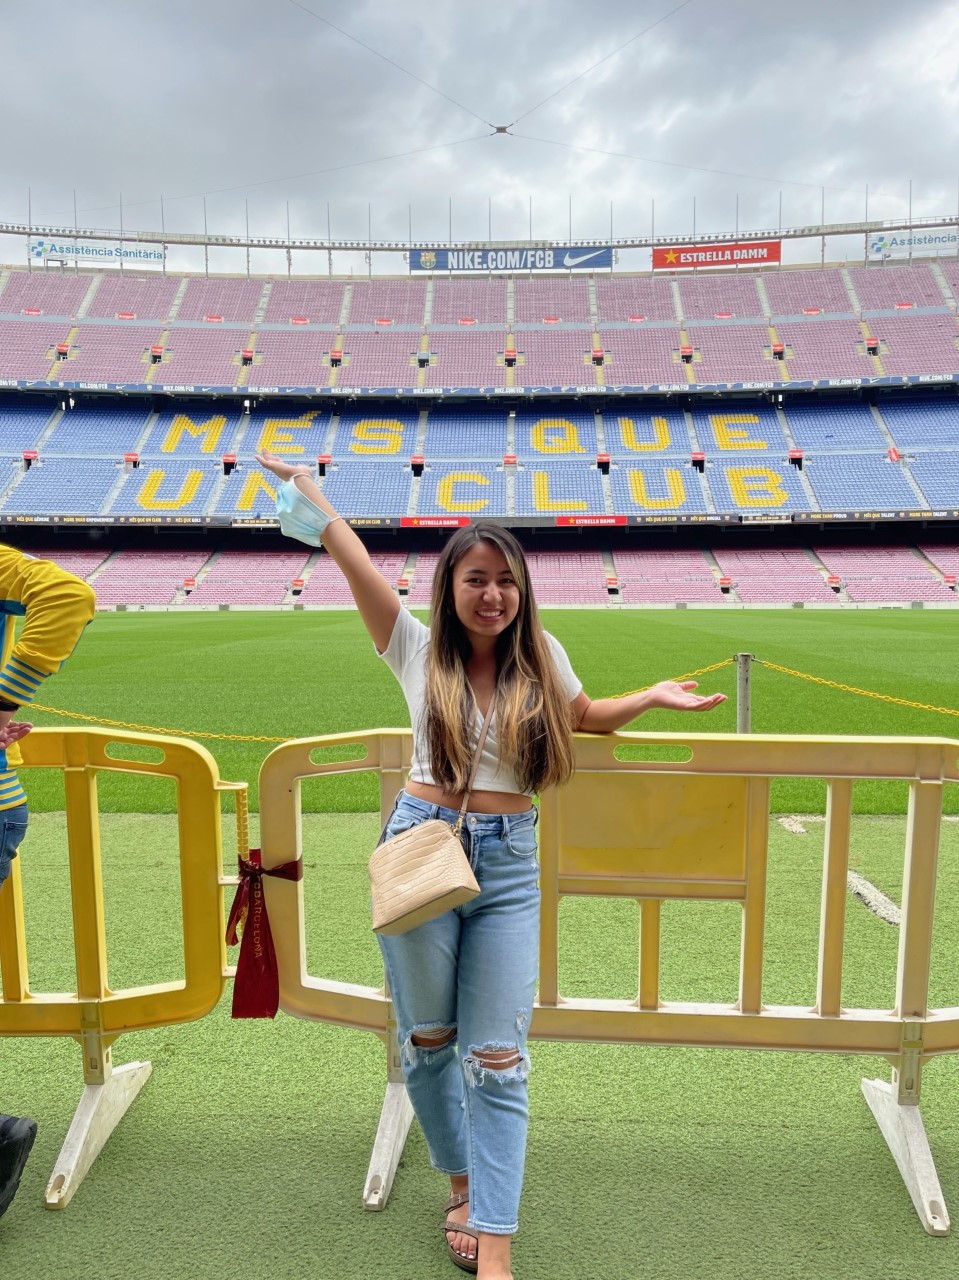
(679, 257)
(562, 257)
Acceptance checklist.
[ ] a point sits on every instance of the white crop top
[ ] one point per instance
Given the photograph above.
(405, 655)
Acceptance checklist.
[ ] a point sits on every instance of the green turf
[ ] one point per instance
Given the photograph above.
(303, 673)
(246, 1152)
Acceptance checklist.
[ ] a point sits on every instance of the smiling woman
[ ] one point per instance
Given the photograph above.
(463, 983)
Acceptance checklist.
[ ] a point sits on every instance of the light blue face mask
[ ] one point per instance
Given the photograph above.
(299, 517)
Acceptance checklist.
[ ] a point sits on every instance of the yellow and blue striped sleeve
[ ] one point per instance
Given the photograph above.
(56, 606)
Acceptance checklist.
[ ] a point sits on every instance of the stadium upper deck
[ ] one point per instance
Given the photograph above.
(883, 324)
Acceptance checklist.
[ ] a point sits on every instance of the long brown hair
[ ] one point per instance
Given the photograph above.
(533, 715)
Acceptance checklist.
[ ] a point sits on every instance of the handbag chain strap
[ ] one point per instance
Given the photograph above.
(473, 767)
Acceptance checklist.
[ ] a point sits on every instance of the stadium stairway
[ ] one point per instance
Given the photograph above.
(677, 301)
(49, 429)
(152, 419)
(773, 341)
(305, 573)
(110, 559)
(510, 303)
(763, 296)
(261, 306)
(71, 338)
(865, 328)
(688, 369)
(934, 266)
(345, 309)
(698, 448)
(599, 372)
(791, 442)
(427, 320)
(718, 572)
(90, 294)
(854, 303)
(593, 309)
(4, 277)
(123, 475)
(825, 573)
(903, 465)
(154, 369)
(178, 300)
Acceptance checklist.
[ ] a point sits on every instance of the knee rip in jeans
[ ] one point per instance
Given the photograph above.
(505, 1063)
(426, 1040)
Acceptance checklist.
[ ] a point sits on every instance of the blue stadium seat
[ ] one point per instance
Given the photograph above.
(74, 486)
(862, 482)
(841, 427)
(94, 429)
(465, 433)
(22, 422)
(922, 424)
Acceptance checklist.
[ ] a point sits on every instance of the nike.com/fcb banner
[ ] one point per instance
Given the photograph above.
(565, 257)
(685, 257)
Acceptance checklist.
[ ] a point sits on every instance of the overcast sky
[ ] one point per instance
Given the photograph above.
(258, 104)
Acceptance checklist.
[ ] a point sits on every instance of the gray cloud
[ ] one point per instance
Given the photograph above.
(239, 98)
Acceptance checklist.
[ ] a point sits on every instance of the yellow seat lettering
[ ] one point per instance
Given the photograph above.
(446, 495)
(675, 482)
(556, 435)
(756, 487)
(731, 436)
(255, 484)
(543, 502)
(210, 431)
(631, 441)
(148, 500)
(377, 435)
(278, 434)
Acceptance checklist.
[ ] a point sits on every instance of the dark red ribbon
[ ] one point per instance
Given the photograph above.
(256, 987)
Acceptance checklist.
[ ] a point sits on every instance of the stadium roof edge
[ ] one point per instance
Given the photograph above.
(812, 231)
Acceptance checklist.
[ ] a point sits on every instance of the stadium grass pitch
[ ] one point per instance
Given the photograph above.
(298, 674)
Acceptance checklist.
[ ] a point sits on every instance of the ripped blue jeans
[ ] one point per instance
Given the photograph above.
(13, 827)
(473, 971)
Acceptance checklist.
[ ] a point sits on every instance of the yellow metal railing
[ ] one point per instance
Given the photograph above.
(95, 1014)
(693, 825)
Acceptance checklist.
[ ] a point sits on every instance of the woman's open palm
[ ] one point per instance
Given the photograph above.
(674, 695)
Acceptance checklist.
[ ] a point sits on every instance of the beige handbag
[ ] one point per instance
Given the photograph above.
(424, 871)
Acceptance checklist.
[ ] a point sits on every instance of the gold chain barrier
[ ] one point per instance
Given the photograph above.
(152, 728)
(862, 693)
(255, 737)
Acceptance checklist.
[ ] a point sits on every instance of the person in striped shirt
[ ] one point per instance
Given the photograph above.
(55, 607)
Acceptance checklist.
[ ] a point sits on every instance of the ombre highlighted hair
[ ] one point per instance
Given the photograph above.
(533, 716)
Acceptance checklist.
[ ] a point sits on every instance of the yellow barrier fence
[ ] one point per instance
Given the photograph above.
(650, 817)
(94, 1015)
(692, 826)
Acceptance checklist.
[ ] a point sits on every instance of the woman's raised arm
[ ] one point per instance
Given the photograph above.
(376, 600)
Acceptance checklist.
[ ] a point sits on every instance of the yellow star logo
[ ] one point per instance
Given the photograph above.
(672, 255)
